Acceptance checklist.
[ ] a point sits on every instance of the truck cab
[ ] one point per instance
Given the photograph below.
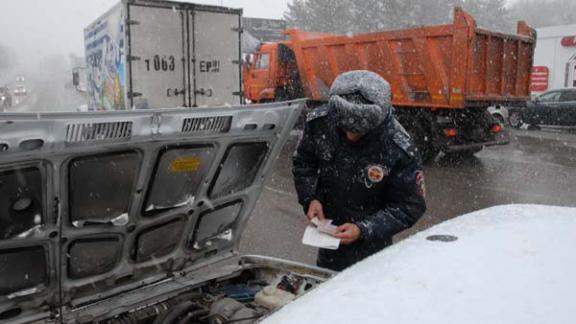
(272, 74)
(259, 74)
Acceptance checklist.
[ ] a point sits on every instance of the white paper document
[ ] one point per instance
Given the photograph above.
(314, 237)
(325, 226)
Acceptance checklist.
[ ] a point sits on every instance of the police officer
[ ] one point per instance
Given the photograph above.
(357, 166)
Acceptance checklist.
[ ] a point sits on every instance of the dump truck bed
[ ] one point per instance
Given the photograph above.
(447, 66)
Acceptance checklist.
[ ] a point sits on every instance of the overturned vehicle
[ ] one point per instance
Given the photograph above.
(136, 216)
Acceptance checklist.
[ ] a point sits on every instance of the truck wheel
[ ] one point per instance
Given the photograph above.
(534, 127)
(423, 141)
(515, 120)
(466, 154)
(500, 119)
(282, 95)
(428, 154)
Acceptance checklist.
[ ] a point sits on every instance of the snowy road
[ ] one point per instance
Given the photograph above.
(537, 167)
(49, 91)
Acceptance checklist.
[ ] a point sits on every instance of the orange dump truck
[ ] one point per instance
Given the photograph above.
(443, 77)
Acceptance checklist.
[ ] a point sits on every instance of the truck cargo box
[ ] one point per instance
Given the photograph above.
(161, 54)
(447, 66)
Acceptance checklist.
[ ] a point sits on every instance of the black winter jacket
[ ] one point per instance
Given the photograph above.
(377, 183)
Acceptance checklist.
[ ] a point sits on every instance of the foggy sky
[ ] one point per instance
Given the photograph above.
(35, 28)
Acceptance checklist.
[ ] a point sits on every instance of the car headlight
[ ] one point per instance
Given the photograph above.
(3, 97)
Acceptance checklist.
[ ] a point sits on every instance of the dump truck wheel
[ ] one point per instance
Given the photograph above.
(500, 119)
(461, 155)
(428, 154)
(515, 120)
(282, 95)
(423, 139)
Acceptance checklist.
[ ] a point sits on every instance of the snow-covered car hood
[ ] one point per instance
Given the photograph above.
(506, 264)
(93, 205)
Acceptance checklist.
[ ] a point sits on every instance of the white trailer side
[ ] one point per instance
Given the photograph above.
(555, 58)
(161, 54)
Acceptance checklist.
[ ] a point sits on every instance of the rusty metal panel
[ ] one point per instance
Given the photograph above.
(501, 67)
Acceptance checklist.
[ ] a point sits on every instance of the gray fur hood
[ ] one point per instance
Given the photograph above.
(362, 100)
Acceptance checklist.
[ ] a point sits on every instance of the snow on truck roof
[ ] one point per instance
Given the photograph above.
(505, 264)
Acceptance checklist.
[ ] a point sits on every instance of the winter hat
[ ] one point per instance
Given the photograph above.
(361, 100)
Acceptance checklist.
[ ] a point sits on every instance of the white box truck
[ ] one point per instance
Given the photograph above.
(160, 54)
(554, 59)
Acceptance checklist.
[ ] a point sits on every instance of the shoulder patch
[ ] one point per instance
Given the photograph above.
(403, 140)
(316, 113)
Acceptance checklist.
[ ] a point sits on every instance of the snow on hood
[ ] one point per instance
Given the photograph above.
(508, 264)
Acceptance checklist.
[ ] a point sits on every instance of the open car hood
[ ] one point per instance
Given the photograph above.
(96, 204)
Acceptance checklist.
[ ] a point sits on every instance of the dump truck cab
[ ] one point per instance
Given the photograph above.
(272, 74)
(260, 74)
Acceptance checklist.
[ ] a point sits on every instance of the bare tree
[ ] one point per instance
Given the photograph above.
(334, 16)
(491, 14)
(542, 13)
(347, 16)
(297, 14)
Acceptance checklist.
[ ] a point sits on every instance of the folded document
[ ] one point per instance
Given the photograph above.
(318, 237)
(325, 226)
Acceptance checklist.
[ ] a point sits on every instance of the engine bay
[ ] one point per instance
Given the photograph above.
(244, 297)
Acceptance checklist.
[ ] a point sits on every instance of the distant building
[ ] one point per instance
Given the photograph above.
(265, 30)
(555, 58)
(79, 78)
